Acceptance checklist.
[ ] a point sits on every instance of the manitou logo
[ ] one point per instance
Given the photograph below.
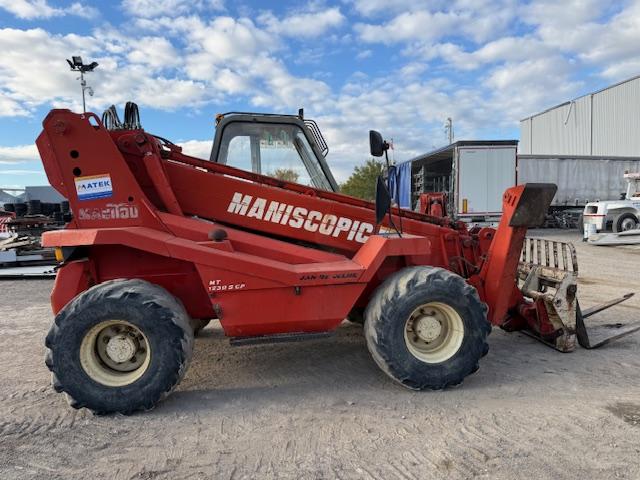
(299, 217)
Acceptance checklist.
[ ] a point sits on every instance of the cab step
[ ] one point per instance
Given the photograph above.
(278, 338)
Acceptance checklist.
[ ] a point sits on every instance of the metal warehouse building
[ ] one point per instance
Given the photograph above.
(604, 123)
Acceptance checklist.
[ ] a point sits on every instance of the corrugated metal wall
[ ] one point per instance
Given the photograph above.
(611, 129)
(616, 120)
(524, 146)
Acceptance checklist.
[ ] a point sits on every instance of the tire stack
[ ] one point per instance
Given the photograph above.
(50, 209)
(59, 212)
(34, 207)
(20, 209)
(65, 211)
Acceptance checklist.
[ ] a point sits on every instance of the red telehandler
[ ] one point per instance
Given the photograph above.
(162, 242)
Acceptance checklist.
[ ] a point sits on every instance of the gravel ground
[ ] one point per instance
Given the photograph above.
(322, 409)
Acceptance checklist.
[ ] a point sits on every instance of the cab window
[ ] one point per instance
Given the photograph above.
(279, 151)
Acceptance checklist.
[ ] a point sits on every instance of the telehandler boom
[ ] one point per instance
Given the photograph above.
(162, 242)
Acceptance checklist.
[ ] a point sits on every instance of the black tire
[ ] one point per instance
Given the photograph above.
(160, 317)
(34, 207)
(622, 219)
(388, 314)
(198, 325)
(20, 209)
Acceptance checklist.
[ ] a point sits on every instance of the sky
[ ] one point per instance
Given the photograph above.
(398, 66)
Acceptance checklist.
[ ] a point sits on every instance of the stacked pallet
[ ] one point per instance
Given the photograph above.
(21, 242)
(18, 250)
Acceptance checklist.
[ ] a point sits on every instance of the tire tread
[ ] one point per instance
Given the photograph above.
(397, 286)
(121, 289)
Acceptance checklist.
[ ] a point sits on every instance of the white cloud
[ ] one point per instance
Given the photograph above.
(406, 109)
(505, 49)
(20, 172)
(477, 20)
(48, 77)
(33, 9)
(362, 54)
(197, 148)
(235, 57)
(156, 52)
(622, 69)
(225, 56)
(30, 9)
(10, 107)
(303, 24)
(48, 80)
(413, 69)
(599, 34)
(159, 8)
(19, 154)
(522, 88)
(80, 10)
(565, 14)
(409, 27)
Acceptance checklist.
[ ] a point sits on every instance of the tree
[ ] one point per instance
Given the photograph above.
(286, 174)
(362, 182)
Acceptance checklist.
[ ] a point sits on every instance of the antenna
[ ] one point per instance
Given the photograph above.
(448, 130)
(77, 66)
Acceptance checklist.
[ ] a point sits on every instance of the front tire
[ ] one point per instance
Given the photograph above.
(426, 328)
(121, 346)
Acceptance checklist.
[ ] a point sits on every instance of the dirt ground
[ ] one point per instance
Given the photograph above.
(322, 409)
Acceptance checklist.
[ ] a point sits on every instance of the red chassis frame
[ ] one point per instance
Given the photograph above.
(259, 273)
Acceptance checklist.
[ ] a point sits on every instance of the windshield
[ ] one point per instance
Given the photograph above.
(277, 150)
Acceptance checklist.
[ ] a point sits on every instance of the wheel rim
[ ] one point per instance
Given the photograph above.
(628, 224)
(434, 332)
(115, 353)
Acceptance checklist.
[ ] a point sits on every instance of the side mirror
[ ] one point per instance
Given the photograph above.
(383, 199)
(376, 144)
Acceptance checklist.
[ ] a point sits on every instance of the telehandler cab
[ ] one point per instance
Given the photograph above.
(162, 242)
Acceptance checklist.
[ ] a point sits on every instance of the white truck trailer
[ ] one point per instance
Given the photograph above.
(473, 175)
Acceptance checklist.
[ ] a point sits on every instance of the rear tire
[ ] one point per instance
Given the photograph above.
(426, 328)
(121, 346)
(624, 222)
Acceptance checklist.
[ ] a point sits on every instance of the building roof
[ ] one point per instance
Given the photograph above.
(7, 197)
(44, 193)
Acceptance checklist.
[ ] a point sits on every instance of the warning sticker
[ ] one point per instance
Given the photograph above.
(93, 187)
